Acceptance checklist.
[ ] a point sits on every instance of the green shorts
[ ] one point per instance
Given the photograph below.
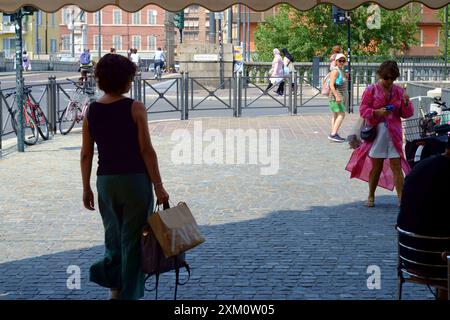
(337, 107)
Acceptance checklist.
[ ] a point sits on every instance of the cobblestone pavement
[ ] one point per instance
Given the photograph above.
(302, 233)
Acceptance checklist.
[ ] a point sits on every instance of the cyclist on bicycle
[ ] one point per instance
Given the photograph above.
(86, 65)
(159, 61)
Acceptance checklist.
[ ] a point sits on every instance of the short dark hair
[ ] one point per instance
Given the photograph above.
(114, 73)
(388, 67)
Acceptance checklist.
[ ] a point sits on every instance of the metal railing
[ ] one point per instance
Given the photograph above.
(363, 72)
(183, 94)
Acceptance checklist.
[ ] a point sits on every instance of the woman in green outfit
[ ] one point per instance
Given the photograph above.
(337, 97)
(127, 169)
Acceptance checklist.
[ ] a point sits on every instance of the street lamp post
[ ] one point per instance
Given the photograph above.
(222, 75)
(230, 25)
(244, 34)
(212, 27)
(37, 34)
(349, 83)
(238, 35)
(248, 34)
(46, 33)
(446, 42)
(73, 32)
(19, 82)
(341, 17)
(99, 34)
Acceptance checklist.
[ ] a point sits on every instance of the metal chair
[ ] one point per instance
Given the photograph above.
(423, 260)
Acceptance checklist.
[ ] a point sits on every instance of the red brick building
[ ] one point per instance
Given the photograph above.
(143, 30)
(430, 42)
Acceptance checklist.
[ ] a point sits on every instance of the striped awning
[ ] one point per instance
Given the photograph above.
(213, 5)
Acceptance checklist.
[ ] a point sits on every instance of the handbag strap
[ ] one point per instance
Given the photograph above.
(177, 278)
(165, 206)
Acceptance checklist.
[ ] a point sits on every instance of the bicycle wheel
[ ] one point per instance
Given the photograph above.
(31, 135)
(68, 118)
(158, 72)
(41, 122)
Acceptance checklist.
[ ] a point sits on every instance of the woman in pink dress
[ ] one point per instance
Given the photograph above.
(382, 162)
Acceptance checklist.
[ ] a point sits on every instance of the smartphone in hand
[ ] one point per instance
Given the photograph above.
(390, 107)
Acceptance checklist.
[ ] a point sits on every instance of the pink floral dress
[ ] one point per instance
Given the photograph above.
(374, 98)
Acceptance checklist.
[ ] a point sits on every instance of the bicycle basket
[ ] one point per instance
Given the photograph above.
(419, 128)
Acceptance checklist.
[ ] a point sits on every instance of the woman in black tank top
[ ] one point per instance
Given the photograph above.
(127, 168)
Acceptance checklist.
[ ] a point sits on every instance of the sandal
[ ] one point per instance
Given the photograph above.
(370, 203)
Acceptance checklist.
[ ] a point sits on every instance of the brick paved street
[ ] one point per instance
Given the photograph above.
(300, 234)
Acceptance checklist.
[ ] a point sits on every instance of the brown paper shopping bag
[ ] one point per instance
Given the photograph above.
(175, 229)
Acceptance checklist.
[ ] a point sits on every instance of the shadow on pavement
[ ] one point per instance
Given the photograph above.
(311, 254)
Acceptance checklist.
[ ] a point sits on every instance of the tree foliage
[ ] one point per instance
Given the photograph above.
(313, 33)
(441, 15)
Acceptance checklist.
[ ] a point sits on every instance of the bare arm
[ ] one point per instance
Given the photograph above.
(407, 108)
(333, 77)
(87, 153)
(147, 151)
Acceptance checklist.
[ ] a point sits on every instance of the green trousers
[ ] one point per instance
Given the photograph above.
(124, 202)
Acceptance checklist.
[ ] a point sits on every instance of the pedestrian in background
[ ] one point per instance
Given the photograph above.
(334, 52)
(127, 169)
(26, 61)
(135, 58)
(288, 66)
(113, 50)
(159, 58)
(276, 73)
(381, 162)
(86, 65)
(337, 97)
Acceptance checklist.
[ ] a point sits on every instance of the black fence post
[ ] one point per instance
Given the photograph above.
(1, 119)
(139, 93)
(290, 92)
(239, 94)
(181, 94)
(295, 87)
(186, 95)
(235, 95)
(51, 104)
(316, 72)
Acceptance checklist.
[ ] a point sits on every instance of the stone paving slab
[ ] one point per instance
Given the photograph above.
(302, 233)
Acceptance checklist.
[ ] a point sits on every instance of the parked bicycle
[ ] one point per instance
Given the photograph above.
(35, 122)
(76, 108)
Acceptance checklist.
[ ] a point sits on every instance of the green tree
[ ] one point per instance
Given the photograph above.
(441, 15)
(313, 33)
